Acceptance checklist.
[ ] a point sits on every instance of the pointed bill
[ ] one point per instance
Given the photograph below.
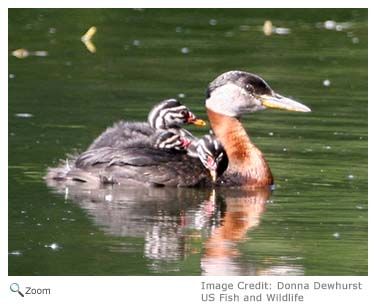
(198, 122)
(280, 102)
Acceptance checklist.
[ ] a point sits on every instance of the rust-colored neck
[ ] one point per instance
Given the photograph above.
(247, 165)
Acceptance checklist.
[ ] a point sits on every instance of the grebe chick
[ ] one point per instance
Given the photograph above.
(212, 155)
(167, 115)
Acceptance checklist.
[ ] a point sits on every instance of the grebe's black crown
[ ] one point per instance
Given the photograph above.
(239, 78)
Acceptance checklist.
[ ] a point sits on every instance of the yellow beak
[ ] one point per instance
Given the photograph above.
(199, 122)
(280, 102)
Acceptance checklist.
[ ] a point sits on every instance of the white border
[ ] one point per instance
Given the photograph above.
(160, 291)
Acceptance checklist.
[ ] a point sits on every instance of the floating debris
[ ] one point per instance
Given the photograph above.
(20, 53)
(23, 115)
(87, 37)
(270, 133)
(24, 53)
(11, 76)
(351, 177)
(181, 95)
(268, 29)
(336, 235)
(326, 83)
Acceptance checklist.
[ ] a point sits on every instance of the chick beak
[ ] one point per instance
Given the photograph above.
(280, 102)
(199, 122)
(193, 120)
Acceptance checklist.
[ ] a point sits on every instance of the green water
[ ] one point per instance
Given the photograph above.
(314, 223)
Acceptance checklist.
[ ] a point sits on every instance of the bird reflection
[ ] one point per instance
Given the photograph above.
(179, 222)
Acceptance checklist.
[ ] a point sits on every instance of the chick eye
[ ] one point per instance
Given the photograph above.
(249, 88)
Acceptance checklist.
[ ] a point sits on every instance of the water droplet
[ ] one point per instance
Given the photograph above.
(244, 28)
(41, 53)
(23, 115)
(282, 31)
(15, 253)
(53, 246)
(330, 24)
(213, 22)
(185, 50)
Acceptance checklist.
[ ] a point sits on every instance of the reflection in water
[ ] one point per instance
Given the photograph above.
(172, 220)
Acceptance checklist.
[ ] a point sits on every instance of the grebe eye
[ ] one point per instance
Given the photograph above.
(249, 87)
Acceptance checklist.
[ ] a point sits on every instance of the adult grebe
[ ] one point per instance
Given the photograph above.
(160, 160)
(229, 96)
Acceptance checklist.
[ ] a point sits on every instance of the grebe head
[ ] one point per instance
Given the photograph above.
(236, 92)
(171, 141)
(212, 155)
(171, 113)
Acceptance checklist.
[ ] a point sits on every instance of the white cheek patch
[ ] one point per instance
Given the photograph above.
(227, 99)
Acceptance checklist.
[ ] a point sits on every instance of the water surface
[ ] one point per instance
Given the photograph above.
(60, 99)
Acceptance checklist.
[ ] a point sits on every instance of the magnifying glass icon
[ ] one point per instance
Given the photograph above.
(15, 287)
